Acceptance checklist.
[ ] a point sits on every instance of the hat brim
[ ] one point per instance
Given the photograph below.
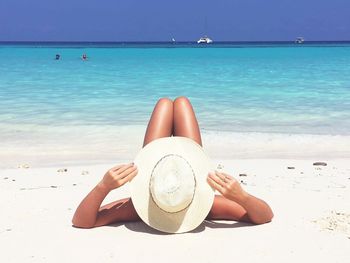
(184, 220)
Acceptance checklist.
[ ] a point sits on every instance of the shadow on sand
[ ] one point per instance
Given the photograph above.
(141, 227)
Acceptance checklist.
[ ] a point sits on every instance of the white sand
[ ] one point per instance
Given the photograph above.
(311, 206)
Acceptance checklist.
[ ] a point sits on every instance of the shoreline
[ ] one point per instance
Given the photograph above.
(50, 147)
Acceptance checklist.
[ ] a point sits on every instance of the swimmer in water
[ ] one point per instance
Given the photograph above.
(84, 57)
(58, 56)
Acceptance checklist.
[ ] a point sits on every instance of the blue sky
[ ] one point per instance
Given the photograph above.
(160, 20)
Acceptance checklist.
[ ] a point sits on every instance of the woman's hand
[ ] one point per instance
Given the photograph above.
(88, 213)
(229, 187)
(118, 176)
(257, 210)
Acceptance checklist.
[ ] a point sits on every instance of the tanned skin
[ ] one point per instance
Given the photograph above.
(169, 118)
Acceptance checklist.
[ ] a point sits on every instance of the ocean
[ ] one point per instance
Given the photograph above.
(70, 110)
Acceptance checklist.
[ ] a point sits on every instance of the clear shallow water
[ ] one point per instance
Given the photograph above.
(276, 89)
(272, 89)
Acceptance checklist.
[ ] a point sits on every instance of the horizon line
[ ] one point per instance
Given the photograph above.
(164, 41)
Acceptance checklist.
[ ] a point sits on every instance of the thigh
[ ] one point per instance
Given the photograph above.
(185, 121)
(161, 122)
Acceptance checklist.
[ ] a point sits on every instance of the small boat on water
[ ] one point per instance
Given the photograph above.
(299, 40)
(204, 40)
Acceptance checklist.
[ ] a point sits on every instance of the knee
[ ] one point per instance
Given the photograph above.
(165, 102)
(182, 101)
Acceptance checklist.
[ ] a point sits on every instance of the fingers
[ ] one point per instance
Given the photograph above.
(215, 185)
(123, 173)
(223, 176)
(129, 177)
(220, 181)
(212, 183)
(215, 182)
(220, 176)
(123, 167)
(117, 167)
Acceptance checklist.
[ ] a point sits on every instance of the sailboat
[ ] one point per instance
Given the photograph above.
(205, 39)
(299, 40)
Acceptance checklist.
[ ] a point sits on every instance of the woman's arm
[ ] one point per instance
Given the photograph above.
(235, 203)
(89, 214)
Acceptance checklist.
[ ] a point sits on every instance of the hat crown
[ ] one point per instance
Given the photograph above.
(172, 183)
(152, 209)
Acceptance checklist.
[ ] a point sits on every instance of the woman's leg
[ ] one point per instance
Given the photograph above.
(185, 121)
(160, 125)
(161, 122)
(186, 125)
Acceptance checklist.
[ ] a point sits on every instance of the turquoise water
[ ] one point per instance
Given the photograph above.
(270, 89)
(251, 101)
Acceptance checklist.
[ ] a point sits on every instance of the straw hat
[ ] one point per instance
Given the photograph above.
(170, 192)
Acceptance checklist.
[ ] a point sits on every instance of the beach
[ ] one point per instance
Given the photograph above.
(310, 203)
(275, 117)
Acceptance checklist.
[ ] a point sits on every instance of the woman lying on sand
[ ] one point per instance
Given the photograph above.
(169, 118)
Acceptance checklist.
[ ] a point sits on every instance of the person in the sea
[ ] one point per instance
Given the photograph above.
(58, 56)
(169, 118)
(84, 57)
